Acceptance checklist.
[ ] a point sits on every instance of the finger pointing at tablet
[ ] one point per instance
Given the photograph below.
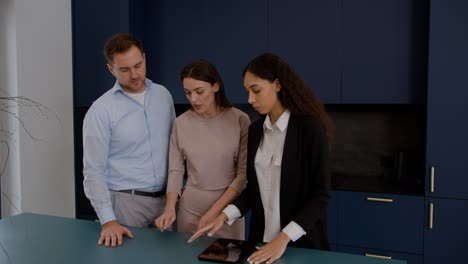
(209, 228)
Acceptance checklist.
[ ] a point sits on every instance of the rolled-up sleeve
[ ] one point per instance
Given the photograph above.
(240, 181)
(96, 137)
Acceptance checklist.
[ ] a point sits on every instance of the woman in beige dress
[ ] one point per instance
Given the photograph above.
(210, 141)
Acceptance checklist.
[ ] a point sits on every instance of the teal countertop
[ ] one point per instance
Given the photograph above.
(34, 238)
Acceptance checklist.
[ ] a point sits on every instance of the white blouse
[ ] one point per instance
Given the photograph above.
(268, 168)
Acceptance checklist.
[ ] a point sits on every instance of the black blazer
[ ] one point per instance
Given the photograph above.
(305, 182)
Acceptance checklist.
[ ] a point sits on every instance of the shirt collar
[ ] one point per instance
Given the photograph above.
(117, 86)
(281, 123)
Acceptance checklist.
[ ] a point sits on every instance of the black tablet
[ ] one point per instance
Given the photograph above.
(228, 251)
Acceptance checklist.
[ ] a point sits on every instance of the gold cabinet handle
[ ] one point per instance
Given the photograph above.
(378, 256)
(432, 179)
(431, 215)
(379, 200)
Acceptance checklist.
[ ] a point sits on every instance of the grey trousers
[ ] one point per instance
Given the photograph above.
(137, 210)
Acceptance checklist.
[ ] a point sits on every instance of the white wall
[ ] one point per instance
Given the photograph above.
(43, 74)
(9, 152)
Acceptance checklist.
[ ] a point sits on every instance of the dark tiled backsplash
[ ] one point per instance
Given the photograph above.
(374, 150)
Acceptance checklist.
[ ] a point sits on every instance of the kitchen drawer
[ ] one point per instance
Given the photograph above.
(381, 221)
(372, 253)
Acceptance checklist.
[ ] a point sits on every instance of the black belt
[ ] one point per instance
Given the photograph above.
(150, 194)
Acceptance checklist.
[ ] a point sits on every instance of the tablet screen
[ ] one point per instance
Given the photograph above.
(228, 251)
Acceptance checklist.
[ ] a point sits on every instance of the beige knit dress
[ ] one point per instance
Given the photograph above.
(215, 151)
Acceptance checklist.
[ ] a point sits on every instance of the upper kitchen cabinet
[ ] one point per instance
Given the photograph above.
(91, 29)
(307, 35)
(447, 111)
(227, 33)
(384, 51)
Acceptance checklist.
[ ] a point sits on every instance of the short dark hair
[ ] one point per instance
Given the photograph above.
(120, 43)
(204, 70)
(295, 95)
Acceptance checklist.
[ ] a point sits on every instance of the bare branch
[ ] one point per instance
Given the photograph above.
(21, 122)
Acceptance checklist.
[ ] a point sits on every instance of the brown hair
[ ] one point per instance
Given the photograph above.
(120, 43)
(204, 70)
(294, 93)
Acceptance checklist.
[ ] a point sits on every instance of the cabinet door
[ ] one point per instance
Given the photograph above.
(447, 111)
(92, 26)
(384, 51)
(227, 33)
(381, 221)
(446, 238)
(332, 217)
(306, 35)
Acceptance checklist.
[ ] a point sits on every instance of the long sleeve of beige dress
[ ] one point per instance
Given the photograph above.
(215, 151)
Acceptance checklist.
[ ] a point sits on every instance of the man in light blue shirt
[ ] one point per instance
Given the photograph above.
(125, 144)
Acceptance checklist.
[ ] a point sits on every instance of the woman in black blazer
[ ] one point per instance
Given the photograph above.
(288, 175)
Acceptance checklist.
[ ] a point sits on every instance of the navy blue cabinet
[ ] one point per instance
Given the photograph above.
(354, 52)
(384, 51)
(445, 232)
(227, 33)
(332, 218)
(447, 111)
(307, 35)
(362, 51)
(93, 23)
(446, 214)
(381, 221)
(379, 225)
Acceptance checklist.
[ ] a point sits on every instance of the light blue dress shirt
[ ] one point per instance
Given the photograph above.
(126, 144)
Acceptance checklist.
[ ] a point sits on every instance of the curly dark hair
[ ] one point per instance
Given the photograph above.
(120, 43)
(204, 70)
(294, 94)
